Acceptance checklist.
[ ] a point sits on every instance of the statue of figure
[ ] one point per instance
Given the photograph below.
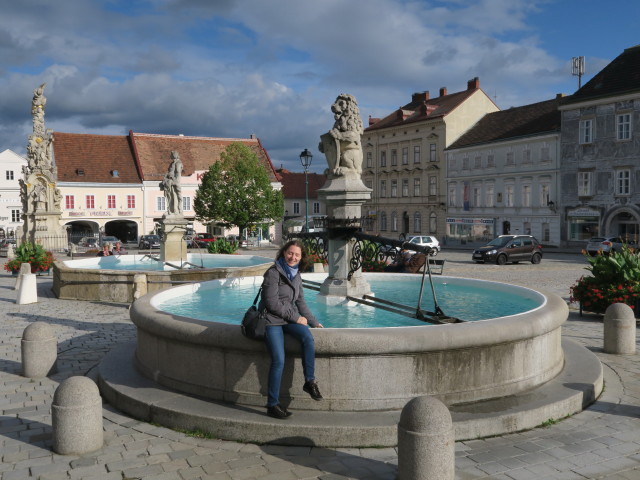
(39, 148)
(57, 199)
(39, 195)
(341, 145)
(171, 185)
(37, 109)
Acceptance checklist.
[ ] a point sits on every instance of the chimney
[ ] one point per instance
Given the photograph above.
(473, 83)
(373, 120)
(400, 114)
(420, 97)
(559, 95)
(443, 91)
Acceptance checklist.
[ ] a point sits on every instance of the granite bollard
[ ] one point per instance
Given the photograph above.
(76, 414)
(426, 445)
(39, 350)
(619, 329)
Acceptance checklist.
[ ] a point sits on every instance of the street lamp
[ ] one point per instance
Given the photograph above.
(305, 159)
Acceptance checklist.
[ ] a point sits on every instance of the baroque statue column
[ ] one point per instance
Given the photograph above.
(173, 247)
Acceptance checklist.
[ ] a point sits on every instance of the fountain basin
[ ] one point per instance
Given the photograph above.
(111, 279)
(359, 369)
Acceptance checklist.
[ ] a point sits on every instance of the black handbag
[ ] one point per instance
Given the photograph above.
(254, 323)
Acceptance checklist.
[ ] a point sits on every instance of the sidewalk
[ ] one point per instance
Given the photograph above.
(601, 442)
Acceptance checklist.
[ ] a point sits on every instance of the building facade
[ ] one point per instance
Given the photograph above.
(503, 176)
(404, 160)
(11, 208)
(301, 201)
(600, 154)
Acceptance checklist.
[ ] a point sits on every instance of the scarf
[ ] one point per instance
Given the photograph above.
(290, 271)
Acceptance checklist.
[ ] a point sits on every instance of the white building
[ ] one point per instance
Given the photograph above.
(10, 205)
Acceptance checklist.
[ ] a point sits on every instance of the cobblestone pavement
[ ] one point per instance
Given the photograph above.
(601, 442)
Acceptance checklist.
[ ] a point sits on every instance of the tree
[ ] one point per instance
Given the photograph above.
(236, 190)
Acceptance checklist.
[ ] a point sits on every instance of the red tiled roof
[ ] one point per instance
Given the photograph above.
(293, 184)
(537, 118)
(96, 156)
(421, 109)
(196, 153)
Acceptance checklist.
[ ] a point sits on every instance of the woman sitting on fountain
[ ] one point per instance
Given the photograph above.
(106, 250)
(287, 312)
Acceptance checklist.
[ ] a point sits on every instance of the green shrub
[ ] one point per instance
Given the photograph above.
(222, 245)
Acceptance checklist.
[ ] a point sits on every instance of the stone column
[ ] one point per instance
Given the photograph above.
(619, 330)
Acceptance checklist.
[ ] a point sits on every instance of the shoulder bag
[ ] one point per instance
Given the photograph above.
(254, 323)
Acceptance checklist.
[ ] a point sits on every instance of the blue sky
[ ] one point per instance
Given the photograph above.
(227, 68)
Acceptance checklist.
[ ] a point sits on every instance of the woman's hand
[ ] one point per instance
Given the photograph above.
(319, 326)
(302, 321)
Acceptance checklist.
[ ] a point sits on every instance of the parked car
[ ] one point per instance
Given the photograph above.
(509, 248)
(109, 239)
(149, 241)
(608, 244)
(204, 239)
(88, 242)
(425, 241)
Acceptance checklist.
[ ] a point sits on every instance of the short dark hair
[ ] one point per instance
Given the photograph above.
(304, 259)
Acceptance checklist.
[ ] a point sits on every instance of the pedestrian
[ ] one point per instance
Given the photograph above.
(288, 313)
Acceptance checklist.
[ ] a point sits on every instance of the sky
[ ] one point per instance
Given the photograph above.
(232, 68)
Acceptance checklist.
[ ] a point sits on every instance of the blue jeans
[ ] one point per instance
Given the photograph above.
(274, 339)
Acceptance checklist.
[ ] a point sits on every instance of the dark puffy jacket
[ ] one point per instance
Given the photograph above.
(284, 298)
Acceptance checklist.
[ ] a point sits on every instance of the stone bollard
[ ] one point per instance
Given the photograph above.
(426, 445)
(28, 288)
(76, 415)
(619, 329)
(39, 350)
(25, 268)
(318, 268)
(139, 285)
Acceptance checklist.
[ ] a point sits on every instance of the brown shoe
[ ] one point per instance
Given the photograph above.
(311, 387)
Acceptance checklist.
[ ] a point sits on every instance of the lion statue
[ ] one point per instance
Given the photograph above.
(341, 145)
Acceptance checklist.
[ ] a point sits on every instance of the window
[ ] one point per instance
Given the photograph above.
(623, 186)
(316, 208)
(433, 155)
(160, 204)
(394, 222)
(383, 188)
(546, 235)
(383, 158)
(417, 222)
(508, 192)
(9, 174)
(433, 185)
(526, 196)
(433, 223)
(296, 208)
(416, 187)
(477, 162)
(383, 221)
(452, 196)
(405, 187)
(369, 159)
(490, 160)
(394, 188)
(489, 196)
(369, 184)
(510, 160)
(584, 184)
(90, 201)
(526, 155)
(69, 202)
(405, 155)
(394, 157)
(544, 154)
(186, 203)
(131, 201)
(623, 126)
(111, 201)
(416, 154)
(526, 226)
(15, 215)
(453, 163)
(545, 190)
(586, 131)
(476, 196)
(465, 163)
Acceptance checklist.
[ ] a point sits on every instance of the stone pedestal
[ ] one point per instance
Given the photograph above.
(343, 197)
(173, 247)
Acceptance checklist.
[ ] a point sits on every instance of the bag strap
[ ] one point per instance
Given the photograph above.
(255, 300)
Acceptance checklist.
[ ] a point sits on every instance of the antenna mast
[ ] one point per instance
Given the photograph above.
(577, 69)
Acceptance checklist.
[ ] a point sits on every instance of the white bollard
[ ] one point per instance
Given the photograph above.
(76, 415)
(619, 329)
(28, 289)
(25, 268)
(39, 350)
(426, 444)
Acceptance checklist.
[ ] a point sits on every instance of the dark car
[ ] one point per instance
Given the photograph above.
(149, 241)
(608, 244)
(509, 248)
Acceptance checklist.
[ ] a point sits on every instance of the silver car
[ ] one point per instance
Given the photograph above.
(608, 244)
(425, 241)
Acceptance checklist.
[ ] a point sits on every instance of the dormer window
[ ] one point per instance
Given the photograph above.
(80, 172)
(114, 173)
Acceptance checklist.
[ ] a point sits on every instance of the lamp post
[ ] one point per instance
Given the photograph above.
(305, 159)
